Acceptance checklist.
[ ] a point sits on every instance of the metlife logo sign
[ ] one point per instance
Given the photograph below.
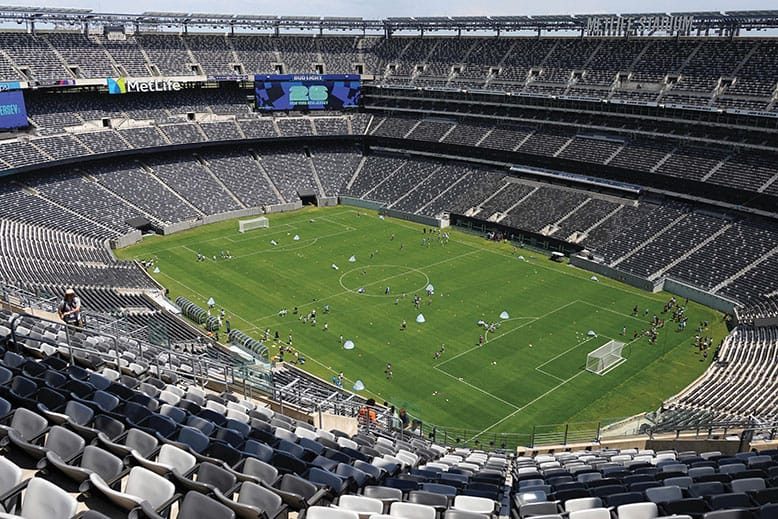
(123, 85)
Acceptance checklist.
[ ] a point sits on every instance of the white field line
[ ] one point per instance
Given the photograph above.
(378, 281)
(203, 297)
(549, 374)
(476, 388)
(569, 350)
(535, 264)
(520, 409)
(302, 244)
(636, 318)
(281, 228)
(517, 411)
(540, 366)
(506, 333)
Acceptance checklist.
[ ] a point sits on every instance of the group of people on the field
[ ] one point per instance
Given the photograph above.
(678, 315)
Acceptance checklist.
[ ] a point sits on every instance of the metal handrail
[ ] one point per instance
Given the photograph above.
(202, 368)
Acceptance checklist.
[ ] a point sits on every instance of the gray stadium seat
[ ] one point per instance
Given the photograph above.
(462, 514)
(386, 494)
(591, 513)
(322, 512)
(748, 485)
(364, 506)
(93, 460)
(532, 509)
(142, 485)
(638, 511)
(254, 502)
(664, 494)
(199, 506)
(169, 458)
(263, 472)
(582, 503)
(59, 440)
(45, 500)
(10, 475)
(412, 511)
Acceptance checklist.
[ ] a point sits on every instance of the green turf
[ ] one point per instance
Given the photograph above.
(529, 372)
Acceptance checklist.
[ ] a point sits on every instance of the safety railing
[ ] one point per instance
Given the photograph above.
(74, 342)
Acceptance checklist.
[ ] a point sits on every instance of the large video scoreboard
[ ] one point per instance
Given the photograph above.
(13, 113)
(307, 91)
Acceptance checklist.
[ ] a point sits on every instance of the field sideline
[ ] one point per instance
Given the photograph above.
(528, 372)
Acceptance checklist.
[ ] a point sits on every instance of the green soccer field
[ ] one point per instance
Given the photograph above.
(529, 371)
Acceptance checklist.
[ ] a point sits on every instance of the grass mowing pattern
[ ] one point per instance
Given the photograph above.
(531, 369)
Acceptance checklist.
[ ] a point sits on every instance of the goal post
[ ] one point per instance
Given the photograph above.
(260, 222)
(605, 358)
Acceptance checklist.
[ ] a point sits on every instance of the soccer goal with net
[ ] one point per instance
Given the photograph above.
(255, 223)
(605, 358)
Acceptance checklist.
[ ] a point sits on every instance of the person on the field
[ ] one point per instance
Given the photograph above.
(388, 371)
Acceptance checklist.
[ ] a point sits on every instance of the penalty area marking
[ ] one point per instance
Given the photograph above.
(290, 248)
(552, 359)
(522, 408)
(476, 388)
(279, 229)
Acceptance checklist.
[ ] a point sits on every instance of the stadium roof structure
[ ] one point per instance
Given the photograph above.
(680, 24)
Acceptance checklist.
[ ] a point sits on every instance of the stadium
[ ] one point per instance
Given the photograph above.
(414, 267)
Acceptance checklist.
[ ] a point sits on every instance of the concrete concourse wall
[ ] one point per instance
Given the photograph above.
(240, 213)
(722, 304)
(679, 288)
(618, 275)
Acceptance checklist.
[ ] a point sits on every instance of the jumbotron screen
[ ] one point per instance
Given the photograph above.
(13, 113)
(307, 91)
